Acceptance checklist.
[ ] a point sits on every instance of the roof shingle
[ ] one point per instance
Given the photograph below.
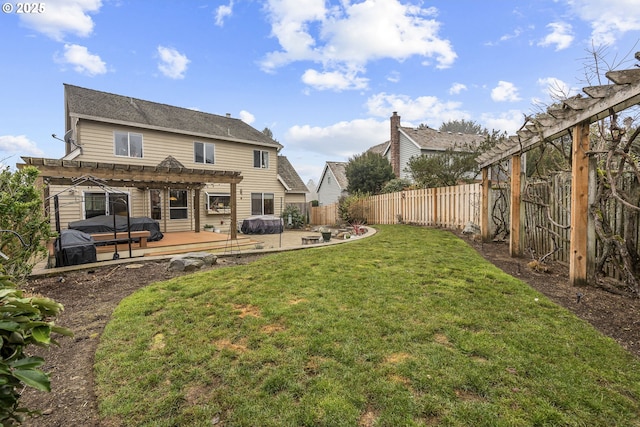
(290, 176)
(103, 106)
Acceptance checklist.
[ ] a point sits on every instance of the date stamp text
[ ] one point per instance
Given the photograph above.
(23, 8)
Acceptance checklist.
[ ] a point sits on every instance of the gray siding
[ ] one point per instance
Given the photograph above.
(407, 150)
(329, 191)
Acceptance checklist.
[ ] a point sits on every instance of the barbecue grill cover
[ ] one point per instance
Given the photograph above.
(262, 224)
(77, 248)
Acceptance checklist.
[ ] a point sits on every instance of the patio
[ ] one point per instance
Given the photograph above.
(182, 242)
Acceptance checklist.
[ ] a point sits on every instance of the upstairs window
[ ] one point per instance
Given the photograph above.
(127, 144)
(204, 152)
(260, 159)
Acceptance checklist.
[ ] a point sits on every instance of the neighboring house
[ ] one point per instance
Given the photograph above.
(181, 167)
(312, 194)
(407, 142)
(333, 183)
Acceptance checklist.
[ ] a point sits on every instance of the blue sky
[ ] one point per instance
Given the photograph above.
(324, 76)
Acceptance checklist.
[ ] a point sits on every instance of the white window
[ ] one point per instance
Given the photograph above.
(127, 144)
(262, 204)
(260, 159)
(218, 203)
(100, 203)
(204, 152)
(178, 206)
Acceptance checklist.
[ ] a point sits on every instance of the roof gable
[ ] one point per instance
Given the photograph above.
(290, 178)
(108, 107)
(170, 162)
(338, 170)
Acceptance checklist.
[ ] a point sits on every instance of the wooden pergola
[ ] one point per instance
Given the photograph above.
(574, 115)
(68, 172)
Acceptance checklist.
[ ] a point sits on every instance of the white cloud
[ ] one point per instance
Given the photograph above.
(556, 89)
(338, 141)
(348, 36)
(516, 33)
(82, 60)
(247, 117)
(456, 88)
(342, 140)
(424, 109)
(509, 121)
(223, 12)
(63, 17)
(18, 145)
(172, 64)
(394, 77)
(334, 80)
(505, 91)
(560, 36)
(609, 19)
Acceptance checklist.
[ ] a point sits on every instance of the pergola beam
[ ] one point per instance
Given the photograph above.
(603, 100)
(67, 172)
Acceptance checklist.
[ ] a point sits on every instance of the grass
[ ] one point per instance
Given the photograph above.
(409, 327)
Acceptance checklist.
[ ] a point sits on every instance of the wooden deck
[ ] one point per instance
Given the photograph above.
(179, 242)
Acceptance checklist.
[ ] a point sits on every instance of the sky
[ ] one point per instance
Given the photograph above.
(323, 76)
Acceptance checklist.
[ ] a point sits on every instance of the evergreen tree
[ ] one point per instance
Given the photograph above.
(367, 173)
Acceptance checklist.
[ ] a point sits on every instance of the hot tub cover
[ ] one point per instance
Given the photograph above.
(262, 224)
(104, 224)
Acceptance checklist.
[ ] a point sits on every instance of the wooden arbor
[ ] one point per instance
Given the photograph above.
(576, 115)
(65, 172)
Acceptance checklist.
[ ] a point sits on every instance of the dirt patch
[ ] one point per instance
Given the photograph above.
(90, 296)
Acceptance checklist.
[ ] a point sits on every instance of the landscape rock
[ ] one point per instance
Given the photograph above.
(191, 261)
(471, 228)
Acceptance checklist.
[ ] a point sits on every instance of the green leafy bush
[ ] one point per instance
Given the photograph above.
(396, 185)
(351, 208)
(21, 211)
(297, 219)
(24, 321)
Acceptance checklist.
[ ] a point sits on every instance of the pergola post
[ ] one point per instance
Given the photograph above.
(234, 214)
(516, 236)
(196, 205)
(484, 207)
(578, 258)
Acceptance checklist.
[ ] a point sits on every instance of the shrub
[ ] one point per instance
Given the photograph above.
(21, 211)
(351, 209)
(25, 320)
(297, 219)
(395, 185)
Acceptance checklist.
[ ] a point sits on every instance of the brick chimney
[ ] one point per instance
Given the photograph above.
(394, 150)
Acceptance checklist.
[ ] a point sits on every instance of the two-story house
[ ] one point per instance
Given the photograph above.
(181, 167)
(406, 142)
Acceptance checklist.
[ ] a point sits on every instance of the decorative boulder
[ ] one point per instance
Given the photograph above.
(471, 228)
(191, 261)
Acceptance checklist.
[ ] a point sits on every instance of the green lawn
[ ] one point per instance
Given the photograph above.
(408, 327)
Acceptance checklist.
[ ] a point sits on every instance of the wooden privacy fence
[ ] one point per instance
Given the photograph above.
(324, 215)
(449, 207)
